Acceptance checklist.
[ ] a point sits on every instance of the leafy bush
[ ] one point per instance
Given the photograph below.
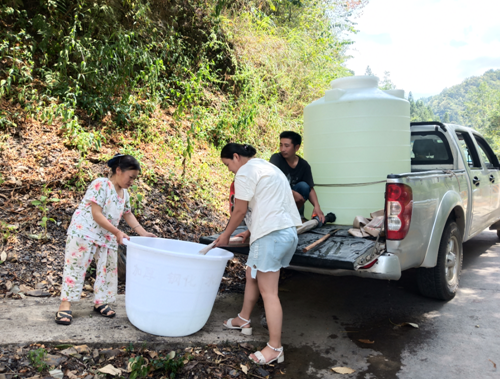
(219, 71)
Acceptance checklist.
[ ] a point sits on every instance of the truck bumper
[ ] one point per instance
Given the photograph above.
(387, 267)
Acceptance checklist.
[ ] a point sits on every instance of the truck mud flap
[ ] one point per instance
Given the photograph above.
(342, 251)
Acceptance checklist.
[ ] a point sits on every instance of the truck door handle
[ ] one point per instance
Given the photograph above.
(476, 181)
(492, 179)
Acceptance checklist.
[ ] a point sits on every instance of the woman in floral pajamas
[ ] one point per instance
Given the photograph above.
(93, 233)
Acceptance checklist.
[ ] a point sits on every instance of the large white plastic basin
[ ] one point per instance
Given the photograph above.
(171, 288)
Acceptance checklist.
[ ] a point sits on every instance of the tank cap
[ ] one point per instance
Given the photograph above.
(351, 82)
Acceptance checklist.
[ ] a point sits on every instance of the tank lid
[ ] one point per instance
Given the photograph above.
(351, 82)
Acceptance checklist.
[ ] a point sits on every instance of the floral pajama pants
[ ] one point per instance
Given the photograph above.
(78, 256)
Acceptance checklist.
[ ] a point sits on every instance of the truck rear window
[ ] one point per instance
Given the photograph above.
(430, 148)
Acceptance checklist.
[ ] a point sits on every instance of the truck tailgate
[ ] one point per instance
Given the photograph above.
(342, 251)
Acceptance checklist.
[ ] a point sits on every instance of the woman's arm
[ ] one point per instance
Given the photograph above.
(135, 225)
(239, 212)
(104, 223)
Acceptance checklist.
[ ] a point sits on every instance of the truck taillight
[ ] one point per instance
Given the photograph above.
(398, 208)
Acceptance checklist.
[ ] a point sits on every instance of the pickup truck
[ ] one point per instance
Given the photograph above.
(451, 194)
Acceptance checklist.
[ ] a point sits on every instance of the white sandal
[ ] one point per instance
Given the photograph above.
(262, 360)
(245, 331)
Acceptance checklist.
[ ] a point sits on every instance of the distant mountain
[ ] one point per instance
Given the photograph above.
(460, 100)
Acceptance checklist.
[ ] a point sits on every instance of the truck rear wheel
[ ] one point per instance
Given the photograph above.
(441, 282)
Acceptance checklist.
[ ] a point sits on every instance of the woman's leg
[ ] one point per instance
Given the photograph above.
(249, 300)
(268, 286)
(106, 283)
(77, 257)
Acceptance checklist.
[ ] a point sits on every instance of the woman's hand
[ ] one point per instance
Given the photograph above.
(120, 236)
(147, 234)
(244, 235)
(222, 240)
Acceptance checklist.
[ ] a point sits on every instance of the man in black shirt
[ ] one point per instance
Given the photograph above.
(297, 171)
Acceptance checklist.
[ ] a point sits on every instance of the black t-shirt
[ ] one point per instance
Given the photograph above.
(301, 172)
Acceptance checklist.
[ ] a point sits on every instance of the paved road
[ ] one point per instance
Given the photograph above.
(457, 339)
(325, 317)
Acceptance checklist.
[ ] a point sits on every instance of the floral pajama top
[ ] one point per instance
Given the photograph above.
(102, 192)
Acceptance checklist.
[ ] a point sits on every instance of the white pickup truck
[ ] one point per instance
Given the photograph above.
(451, 194)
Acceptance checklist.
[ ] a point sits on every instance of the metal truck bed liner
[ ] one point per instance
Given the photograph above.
(342, 251)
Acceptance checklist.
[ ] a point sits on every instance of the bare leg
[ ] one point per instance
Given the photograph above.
(249, 300)
(65, 306)
(268, 286)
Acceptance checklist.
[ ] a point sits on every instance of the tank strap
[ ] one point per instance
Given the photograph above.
(349, 184)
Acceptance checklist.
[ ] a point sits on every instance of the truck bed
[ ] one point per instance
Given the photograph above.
(342, 251)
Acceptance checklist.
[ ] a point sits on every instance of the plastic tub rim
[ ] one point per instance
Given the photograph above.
(226, 257)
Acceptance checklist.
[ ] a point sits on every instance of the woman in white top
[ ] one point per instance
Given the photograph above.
(264, 200)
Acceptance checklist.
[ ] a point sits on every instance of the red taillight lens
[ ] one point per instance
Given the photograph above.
(369, 265)
(398, 208)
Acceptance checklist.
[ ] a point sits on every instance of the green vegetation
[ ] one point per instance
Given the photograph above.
(475, 102)
(170, 80)
(6, 231)
(169, 365)
(37, 359)
(421, 112)
(136, 198)
(42, 205)
(453, 100)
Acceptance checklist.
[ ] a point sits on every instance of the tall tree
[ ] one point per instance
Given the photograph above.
(412, 103)
(387, 82)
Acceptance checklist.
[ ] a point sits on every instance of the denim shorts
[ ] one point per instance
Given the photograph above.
(273, 251)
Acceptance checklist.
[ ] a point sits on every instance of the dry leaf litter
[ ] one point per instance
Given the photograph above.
(39, 361)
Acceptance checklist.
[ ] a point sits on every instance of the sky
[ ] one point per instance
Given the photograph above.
(427, 45)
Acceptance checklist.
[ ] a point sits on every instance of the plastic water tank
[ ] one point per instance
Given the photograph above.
(356, 134)
(171, 288)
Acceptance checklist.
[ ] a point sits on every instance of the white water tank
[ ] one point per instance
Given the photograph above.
(354, 135)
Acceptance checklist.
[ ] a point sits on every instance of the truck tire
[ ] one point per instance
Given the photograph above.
(498, 233)
(441, 282)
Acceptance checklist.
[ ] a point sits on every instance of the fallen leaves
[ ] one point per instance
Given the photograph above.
(110, 369)
(412, 324)
(80, 361)
(244, 368)
(343, 370)
(366, 341)
(58, 374)
(494, 364)
(216, 351)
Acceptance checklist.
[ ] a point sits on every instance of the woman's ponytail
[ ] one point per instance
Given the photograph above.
(244, 150)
